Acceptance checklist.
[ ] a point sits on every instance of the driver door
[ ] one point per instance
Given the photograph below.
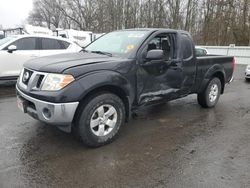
(162, 79)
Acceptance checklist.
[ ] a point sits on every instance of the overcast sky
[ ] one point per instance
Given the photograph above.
(14, 12)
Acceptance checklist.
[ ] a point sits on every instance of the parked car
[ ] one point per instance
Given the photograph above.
(94, 92)
(15, 50)
(201, 52)
(247, 73)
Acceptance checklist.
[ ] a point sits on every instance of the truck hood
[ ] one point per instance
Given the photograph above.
(59, 63)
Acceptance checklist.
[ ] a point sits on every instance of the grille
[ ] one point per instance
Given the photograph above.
(39, 81)
(31, 80)
(26, 76)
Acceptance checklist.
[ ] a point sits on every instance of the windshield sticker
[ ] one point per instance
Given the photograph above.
(130, 47)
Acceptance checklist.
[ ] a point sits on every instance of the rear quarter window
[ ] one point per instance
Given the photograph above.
(53, 44)
(187, 47)
(64, 44)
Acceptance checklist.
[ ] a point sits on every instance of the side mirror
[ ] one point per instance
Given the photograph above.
(155, 55)
(12, 48)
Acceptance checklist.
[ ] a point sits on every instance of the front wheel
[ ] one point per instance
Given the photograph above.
(100, 120)
(211, 94)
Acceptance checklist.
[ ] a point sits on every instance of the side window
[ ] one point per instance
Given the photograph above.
(161, 42)
(154, 44)
(64, 44)
(25, 44)
(63, 35)
(200, 52)
(51, 44)
(187, 47)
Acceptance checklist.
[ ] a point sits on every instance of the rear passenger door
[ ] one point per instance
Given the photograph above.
(50, 46)
(188, 57)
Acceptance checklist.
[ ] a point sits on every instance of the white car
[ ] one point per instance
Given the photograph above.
(247, 73)
(201, 52)
(16, 50)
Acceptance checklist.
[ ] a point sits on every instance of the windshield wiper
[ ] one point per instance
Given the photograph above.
(103, 53)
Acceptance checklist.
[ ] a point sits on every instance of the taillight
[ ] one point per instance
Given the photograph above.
(234, 63)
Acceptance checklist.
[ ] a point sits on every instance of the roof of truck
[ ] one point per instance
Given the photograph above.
(156, 29)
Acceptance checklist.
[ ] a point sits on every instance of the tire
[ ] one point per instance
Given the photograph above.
(211, 94)
(247, 79)
(100, 119)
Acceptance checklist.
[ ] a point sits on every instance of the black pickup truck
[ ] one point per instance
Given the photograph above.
(93, 92)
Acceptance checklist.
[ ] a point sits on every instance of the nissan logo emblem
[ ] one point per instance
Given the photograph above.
(26, 76)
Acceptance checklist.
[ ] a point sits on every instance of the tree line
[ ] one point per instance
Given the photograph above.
(211, 22)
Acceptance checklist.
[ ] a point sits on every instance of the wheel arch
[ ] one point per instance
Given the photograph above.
(106, 88)
(221, 77)
(215, 71)
(107, 81)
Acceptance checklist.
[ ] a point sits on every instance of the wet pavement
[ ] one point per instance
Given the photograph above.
(178, 144)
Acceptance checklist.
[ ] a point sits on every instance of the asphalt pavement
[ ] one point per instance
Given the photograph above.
(178, 144)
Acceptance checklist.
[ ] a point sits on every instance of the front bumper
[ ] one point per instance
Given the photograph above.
(60, 114)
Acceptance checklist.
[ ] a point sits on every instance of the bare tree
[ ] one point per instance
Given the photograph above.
(46, 12)
(211, 22)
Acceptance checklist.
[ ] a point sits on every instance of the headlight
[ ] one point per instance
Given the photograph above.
(55, 82)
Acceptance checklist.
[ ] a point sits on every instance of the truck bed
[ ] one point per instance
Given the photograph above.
(211, 62)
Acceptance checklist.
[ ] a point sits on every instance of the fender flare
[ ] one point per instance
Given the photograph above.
(214, 71)
(105, 80)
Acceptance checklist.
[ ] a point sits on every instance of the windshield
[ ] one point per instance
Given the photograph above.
(118, 43)
(4, 40)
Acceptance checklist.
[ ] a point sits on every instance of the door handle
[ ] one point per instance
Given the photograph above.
(175, 65)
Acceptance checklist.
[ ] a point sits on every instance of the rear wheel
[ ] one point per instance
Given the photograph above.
(100, 120)
(211, 94)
